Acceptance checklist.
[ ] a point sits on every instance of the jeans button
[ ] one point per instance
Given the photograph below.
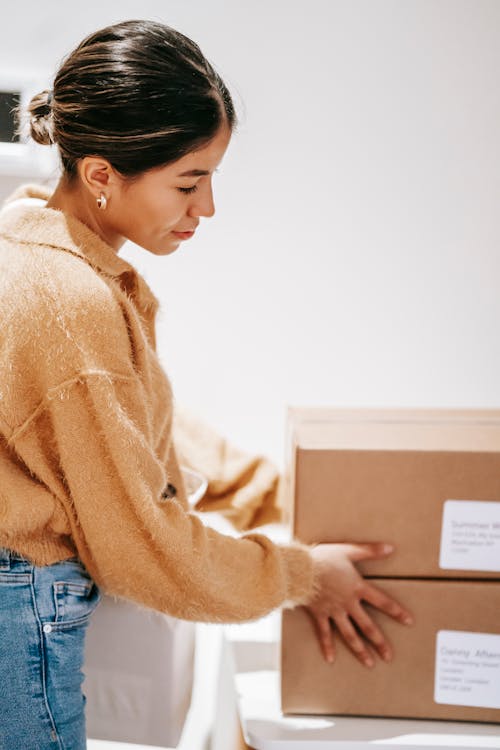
(47, 628)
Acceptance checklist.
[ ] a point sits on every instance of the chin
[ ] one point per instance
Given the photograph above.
(165, 248)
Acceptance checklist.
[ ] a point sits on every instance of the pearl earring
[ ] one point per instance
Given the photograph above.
(102, 202)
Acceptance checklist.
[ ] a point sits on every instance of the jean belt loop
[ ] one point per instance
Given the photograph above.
(4, 559)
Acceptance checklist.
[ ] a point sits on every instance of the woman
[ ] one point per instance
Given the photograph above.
(91, 493)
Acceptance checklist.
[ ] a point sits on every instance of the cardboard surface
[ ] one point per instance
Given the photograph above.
(405, 687)
(385, 475)
(328, 413)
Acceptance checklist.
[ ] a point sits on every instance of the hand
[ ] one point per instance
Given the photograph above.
(341, 592)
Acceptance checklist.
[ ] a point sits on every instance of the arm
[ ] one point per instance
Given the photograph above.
(247, 490)
(94, 437)
(134, 544)
(90, 437)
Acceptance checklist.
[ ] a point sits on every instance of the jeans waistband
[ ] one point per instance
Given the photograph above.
(6, 555)
(5, 552)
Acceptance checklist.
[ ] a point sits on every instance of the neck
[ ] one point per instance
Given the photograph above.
(80, 204)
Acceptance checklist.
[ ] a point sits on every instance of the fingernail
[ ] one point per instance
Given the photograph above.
(369, 662)
(386, 655)
(388, 548)
(408, 620)
(329, 657)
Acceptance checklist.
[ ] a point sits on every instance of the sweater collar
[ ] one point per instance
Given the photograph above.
(25, 218)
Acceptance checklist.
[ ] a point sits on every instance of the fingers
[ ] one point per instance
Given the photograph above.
(373, 595)
(325, 636)
(353, 640)
(371, 631)
(369, 551)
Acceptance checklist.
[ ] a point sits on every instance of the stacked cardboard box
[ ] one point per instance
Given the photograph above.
(429, 482)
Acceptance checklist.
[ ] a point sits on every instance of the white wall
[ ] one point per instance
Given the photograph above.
(354, 256)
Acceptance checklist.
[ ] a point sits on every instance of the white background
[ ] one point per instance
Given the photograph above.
(354, 256)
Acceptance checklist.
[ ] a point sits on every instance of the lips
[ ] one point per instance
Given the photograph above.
(184, 235)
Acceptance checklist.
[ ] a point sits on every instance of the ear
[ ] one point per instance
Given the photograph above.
(96, 174)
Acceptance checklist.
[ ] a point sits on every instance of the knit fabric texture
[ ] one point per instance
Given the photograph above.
(90, 444)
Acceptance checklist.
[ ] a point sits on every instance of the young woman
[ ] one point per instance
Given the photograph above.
(91, 493)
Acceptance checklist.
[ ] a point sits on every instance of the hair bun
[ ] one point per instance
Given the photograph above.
(40, 118)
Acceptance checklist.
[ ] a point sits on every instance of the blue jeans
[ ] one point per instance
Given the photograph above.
(44, 612)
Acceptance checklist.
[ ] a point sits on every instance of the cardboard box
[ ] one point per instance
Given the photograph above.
(426, 480)
(139, 667)
(139, 664)
(445, 666)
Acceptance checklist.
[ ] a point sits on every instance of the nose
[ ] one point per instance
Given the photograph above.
(203, 203)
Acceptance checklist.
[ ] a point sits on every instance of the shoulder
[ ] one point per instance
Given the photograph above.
(52, 279)
(74, 285)
(62, 309)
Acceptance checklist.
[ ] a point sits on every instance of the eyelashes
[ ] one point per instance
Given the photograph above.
(189, 190)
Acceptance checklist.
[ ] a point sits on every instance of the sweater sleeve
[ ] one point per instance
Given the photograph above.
(135, 544)
(246, 489)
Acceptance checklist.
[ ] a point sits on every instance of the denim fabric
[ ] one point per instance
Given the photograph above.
(44, 612)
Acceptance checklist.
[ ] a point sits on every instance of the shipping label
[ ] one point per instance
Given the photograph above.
(470, 536)
(467, 669)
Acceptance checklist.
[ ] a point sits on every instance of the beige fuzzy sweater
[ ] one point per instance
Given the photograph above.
(89, 464)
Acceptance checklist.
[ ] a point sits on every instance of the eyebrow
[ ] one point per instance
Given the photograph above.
(194, 173)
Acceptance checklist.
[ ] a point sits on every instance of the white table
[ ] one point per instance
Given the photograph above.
(248, 709)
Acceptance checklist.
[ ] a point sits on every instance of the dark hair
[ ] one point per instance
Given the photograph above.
(137, 93)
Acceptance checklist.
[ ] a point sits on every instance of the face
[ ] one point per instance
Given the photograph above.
(163, 208)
